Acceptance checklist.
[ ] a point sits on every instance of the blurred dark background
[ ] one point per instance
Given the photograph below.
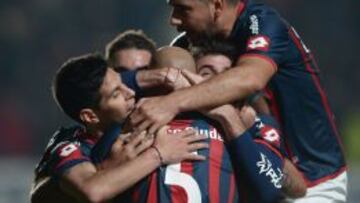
(37, 36)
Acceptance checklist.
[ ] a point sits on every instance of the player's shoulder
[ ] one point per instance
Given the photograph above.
(262, 16)
(61, 138)
(262, 10)
(64, 135)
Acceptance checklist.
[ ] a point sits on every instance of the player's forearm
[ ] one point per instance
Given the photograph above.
(150, 78)
(225, 88)
(231, 123)
(257, 166)
(293, 184)
(109, 183)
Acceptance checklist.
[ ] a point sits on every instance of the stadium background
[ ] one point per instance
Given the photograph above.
(36, 36)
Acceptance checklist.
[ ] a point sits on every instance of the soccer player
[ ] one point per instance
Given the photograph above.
(212, 180)
(130, 50)
(93, 94)
(214, 56)
(272, 56)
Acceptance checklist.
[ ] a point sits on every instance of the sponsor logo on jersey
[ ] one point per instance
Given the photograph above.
(254, 25)
(258, 42)
(268, 133)
(211, 133)
(265, 168)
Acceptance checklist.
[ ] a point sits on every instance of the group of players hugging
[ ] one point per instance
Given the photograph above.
(232, 111)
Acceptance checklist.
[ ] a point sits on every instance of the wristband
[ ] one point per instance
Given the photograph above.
(159, 154)
(129, 79)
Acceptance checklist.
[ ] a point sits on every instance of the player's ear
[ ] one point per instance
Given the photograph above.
(218, 7)
(88, 116)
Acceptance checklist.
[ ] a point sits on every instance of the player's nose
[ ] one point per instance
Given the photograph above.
(174, 21)
(129, 93)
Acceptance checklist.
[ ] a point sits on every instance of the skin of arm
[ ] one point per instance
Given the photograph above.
(250, 75)
(87, 184)
(167, 77)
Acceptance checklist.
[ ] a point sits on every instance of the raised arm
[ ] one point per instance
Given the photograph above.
(251, 74)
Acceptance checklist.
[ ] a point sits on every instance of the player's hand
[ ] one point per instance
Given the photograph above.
(174, 79)
(126, 148)
(174, 148)
(222, 112)
(247, 115)
(152, 113)
(134, 145)
(229, 118)
(192, 77)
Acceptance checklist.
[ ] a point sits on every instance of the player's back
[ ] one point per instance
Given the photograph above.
(211, 180)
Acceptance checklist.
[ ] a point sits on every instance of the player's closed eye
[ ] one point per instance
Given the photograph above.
(116, 93)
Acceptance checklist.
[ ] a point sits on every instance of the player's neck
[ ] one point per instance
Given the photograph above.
(95, 131)
(228, 19)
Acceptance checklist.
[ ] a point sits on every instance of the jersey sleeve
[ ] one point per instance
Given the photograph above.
(268, 36)
(257, 167)
(266, 130)
(64, 156)
(257, 159)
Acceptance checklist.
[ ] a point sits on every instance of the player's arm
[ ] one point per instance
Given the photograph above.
(84, 182)
(250, 75)
(87, 184)
(140, 80)
(258, 163)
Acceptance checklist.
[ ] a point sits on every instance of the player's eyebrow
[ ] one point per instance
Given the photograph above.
(115, 89)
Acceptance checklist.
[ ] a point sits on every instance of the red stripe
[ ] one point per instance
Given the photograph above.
(178, 194)
(326, 178)
(232, 189)
(136, 194)
(276, 112)
(264, 57)
(153, 191)
(216, 151)
(259, 141)
(325, 105)
(316, 80)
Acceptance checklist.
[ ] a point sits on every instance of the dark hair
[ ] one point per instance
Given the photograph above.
(128, 40)
(230, 2)
(214, 46)
(76, 84)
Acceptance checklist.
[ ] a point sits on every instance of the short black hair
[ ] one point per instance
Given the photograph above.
(215, 46)
(128, 40)
(77, 83)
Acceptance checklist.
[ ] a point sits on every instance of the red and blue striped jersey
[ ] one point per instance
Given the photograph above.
(211, 180)
(67, 148)
(296, 96)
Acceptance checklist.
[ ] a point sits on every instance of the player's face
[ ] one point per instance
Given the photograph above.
(117, 100)
(132, 59)
(193, 16)
(210, 65)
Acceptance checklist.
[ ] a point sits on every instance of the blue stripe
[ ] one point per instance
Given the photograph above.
(164, 191)
(201, 168)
